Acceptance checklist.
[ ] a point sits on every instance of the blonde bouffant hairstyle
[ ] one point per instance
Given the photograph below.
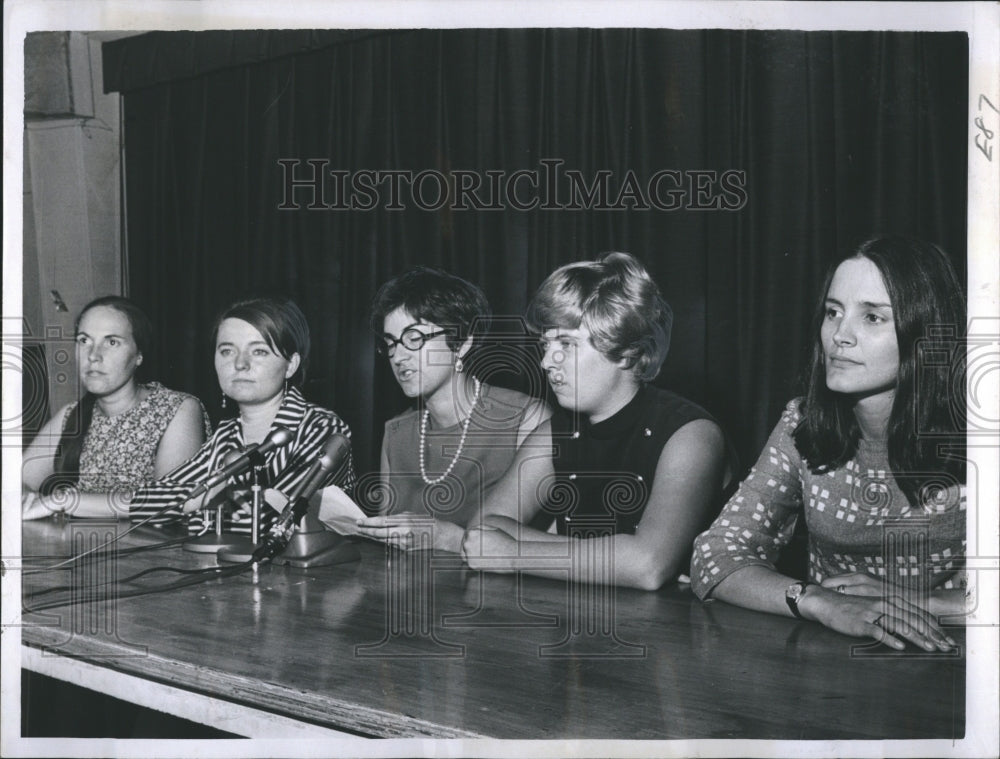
(617, 301)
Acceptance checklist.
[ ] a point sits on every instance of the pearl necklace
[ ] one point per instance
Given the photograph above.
(461, 442)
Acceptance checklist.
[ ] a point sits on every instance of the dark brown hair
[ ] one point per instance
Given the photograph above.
(928, 307)
(66, 471)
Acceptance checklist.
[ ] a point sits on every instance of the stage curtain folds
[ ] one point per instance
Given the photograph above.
(837, 135)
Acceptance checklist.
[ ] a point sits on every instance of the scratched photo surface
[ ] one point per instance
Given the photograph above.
(191, 160)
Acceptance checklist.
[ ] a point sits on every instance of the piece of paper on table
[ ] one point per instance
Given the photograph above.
(338, 512)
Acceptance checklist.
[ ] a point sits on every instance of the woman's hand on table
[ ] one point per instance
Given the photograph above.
(35, 506)
(71, 502)
(216, 496)
(950, 602)
(859, 584)
(887, 619)
(483, 545)
(405, 531)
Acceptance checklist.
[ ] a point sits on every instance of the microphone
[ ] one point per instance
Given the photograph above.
(253, 456)
(336, 450)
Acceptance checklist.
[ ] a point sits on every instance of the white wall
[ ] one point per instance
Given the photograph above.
(72, 205)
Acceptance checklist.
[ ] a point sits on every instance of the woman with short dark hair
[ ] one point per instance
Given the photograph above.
(261, 355)
(858, 457)
(121, 434)
(629, 471)
(441, 458)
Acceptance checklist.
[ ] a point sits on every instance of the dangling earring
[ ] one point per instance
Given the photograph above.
(286, 385)
(459, 366)
(223, 400)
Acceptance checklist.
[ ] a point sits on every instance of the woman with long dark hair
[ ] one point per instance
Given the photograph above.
(873, 458)
(122, 433)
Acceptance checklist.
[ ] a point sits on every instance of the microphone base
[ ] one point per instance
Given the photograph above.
(212, 543)
(317, 549)
(240, 549)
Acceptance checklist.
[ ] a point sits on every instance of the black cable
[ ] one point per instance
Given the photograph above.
(132, 528)
(206, 573)
(178, 541)
(130, 578)
(119, 552)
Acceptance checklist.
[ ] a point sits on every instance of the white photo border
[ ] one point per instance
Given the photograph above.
(981, 20)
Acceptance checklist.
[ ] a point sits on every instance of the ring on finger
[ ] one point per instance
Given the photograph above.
(841, 588)
(883, 634)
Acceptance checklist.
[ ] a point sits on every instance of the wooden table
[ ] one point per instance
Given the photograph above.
(404, 645)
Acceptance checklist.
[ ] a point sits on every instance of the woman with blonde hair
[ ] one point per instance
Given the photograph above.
(631, 470)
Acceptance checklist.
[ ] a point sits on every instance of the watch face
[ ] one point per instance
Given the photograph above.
(792, 595)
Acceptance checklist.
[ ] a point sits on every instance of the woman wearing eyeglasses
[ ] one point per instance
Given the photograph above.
(440, 458)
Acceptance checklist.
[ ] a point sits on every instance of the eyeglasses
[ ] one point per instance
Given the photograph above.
(412, 339)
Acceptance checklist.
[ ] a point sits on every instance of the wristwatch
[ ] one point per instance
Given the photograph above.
(793, 593)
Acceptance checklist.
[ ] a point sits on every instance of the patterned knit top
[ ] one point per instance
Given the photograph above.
(857, 518)
(119, 452)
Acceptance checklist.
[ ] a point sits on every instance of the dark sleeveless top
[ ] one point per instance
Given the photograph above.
(605, 471)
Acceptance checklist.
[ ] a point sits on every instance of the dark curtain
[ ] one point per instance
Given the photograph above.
(837, 134)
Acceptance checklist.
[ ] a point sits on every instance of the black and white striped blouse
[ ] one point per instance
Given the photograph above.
(284, 468)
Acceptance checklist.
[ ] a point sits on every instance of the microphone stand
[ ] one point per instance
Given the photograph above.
(230, 542)
(241, 547)
(297, 538)
(313, 545)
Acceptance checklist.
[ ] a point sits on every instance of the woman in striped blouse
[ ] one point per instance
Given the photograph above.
(261, 355)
